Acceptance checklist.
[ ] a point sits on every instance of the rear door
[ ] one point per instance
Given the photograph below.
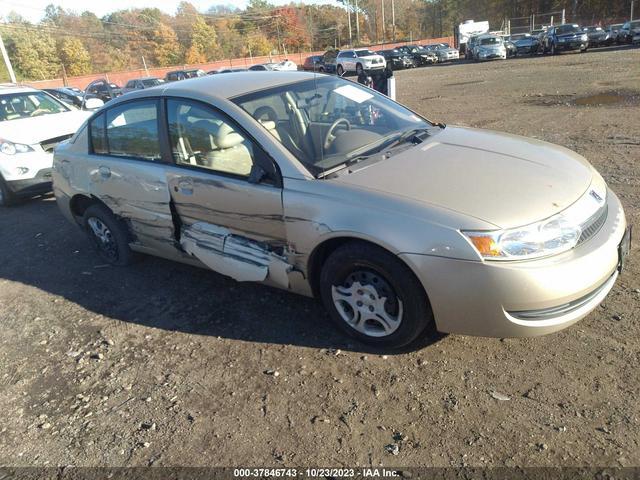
(125, 169)
(227, 195)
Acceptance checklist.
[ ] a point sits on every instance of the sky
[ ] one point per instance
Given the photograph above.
(33, 10)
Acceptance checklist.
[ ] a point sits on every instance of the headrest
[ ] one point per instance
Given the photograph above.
(227, 137)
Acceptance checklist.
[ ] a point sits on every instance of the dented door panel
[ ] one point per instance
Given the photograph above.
(137, 192)
(234, 227)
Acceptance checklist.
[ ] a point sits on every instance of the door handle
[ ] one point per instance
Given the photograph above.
(185, 187)
(105, 172)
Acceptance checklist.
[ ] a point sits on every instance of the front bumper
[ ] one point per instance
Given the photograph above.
(523, 299)
(492, 56)
(566, 46)
(27, 173)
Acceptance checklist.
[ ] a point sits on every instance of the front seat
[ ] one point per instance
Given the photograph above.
(233, 154)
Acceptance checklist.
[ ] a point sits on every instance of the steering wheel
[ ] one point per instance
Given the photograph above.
(39, 111)
(330, 137)
(265, 111)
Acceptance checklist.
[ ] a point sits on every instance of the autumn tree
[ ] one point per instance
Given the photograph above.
(166, 49)
(74, 56)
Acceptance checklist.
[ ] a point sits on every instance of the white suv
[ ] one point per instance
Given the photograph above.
(32, 123)
(358, 60)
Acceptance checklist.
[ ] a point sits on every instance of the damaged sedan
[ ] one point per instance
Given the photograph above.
(323, 187)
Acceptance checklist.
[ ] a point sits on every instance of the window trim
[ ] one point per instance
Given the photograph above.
(156, 100)
(262, 159)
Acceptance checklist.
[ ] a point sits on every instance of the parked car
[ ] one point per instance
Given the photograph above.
(526, 45)
(444, 52)
(262, 67)
(177, 75)
(489, 47)
(612, 33)
(70, 95)
(596, 35)
(32, 123)
(629, 32)
(510, 47)
(470, 47)
(314, 63)
(141, 84)
(397, 60)
(358, 60)
(566, 37)
(102, 89)
(421, 55)
(325, 187)
(329, 58)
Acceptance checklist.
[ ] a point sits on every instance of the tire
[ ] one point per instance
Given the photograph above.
(553, 49)
(7, 198)
(359, 270)
(340, 70)
(113, 244)
(359, 69)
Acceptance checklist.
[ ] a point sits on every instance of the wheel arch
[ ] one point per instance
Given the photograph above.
(80, 202)
(321, 252)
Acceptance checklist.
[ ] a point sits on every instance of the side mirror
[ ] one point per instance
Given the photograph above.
(258, 174)
(93, 104)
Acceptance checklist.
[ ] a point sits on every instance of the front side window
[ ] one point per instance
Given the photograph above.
(132, 131)
(203, 137)
(15, 106)
(98, 135)
(327, 121)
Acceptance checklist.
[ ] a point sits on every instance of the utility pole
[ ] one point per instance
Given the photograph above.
(7, 62)
(384, 33)
(358, 25)
(146, 70)
(631, 15)
(393, 18)
(349, 21)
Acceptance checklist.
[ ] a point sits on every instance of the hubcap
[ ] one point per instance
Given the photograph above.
(103, 238)
(368, 304)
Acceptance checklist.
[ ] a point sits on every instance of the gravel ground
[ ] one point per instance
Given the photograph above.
(166, 364)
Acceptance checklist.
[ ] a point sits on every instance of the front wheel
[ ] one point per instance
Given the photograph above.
(553, 49)
(359, 69)
(108, 234)
(373, 296)
(340, 70)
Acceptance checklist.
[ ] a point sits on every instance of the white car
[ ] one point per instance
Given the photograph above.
(285, 66)
(32, 124)
(358, 60)
(488, 47)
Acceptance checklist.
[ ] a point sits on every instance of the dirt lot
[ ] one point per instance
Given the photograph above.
(165, 364)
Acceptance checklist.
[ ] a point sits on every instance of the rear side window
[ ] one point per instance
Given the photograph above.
(98, 139)
(132, 130)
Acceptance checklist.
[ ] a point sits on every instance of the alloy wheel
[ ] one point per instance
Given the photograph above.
(368, 303)
(103, 238)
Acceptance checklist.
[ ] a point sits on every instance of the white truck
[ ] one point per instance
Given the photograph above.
(466, 30)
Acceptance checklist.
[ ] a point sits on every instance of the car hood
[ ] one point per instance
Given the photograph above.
(502, 179)
(372, 57)
(30, 131)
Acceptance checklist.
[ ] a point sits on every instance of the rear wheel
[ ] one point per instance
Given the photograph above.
(7, 198)
(371, 295)
(359, 69)
(553, 49)
(340, 70)
(108, 234)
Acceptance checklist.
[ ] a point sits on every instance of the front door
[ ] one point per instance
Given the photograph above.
(227, 195)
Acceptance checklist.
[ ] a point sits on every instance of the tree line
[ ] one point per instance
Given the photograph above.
(69, 43)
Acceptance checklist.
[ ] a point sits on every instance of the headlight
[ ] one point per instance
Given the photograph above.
(584, 38)
(554, 235)
(10, 148)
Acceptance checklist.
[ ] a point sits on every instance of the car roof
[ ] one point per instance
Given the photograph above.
(7, 89)
(225, 87)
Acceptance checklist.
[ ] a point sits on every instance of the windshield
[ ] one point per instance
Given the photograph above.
(364, 53)
(28, 104)
(491, 41)
(564, 29)
(328, 121)
(150, 82)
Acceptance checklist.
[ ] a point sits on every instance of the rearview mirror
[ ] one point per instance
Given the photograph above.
(93, 104)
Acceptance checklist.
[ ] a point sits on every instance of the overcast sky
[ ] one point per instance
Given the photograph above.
(34, 9)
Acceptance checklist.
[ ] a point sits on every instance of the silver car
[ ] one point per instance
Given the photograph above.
(323, 187)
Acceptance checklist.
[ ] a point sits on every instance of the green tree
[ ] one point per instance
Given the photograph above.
(203, 40)
(33, 54)
(74, 56)
(166, 49)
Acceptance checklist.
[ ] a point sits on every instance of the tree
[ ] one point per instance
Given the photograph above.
(33, 54)
(203, 40)
(74, 57)
(166, 50)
